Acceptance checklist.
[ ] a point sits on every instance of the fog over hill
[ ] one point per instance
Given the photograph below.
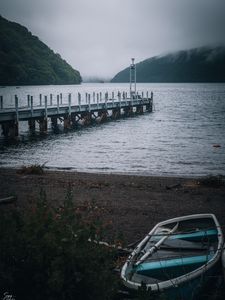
(205, 64)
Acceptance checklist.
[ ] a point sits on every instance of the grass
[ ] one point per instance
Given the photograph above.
(33, 169)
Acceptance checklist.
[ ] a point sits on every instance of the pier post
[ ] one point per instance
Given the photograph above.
(11, 128)
(97, 101)
(147, 94)
(94, 97)
(112, 95)
(60, 98)
(28, 100)
(79, 101)
(151, 102)
(106, 99)
(46, 107)
(100, 96)
(57, 104)
(69, 104)
(50, 99)
(31, 106)
(17, 108)
(148, 106)
(1, 102)
(89, 102)
(40, 98)
(43, 122)
(67, 118)
(119, 97)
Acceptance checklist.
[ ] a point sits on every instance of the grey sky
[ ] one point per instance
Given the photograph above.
(98, 37)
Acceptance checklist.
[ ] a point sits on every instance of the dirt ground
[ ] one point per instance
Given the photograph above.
(134, 204)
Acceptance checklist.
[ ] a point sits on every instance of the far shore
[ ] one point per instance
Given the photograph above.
(132, 204)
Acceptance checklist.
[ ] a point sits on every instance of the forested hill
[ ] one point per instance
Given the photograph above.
(25, 60)
(197, 65)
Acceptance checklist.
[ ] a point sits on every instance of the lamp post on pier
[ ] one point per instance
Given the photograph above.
(132, 79)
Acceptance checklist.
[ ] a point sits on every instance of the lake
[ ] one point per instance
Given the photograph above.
(183, 136)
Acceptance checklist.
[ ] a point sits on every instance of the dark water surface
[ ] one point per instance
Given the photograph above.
(178, 138)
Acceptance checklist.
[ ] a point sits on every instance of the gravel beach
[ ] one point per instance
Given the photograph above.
(132, 204)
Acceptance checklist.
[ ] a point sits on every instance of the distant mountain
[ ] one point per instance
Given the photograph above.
(197, 65)
(25, 60)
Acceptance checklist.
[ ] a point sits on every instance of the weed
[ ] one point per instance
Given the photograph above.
(33, 169)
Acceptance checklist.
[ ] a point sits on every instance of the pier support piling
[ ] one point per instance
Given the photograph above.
(43, 125)
(128, 111)
(10, 129)
(139, 109)
(115, 113)
(67, 122)
(54, 123)
(31, 124)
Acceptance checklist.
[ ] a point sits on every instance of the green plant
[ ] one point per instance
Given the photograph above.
(45, 253)
(33, 169)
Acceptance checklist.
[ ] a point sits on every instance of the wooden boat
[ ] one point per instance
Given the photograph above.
(176, 258)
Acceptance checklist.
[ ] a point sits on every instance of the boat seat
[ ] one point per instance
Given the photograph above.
(184, 245)
(171, 268)
(164, 254)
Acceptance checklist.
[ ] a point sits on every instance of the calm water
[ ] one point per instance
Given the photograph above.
(178, 138)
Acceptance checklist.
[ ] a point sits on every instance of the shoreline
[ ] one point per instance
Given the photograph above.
(101, 172)
(132, 204)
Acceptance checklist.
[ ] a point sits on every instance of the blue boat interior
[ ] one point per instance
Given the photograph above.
(191, 246)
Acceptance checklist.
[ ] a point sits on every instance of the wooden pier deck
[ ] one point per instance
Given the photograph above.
(81, 113)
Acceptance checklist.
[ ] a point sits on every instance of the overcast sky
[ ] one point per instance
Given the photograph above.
(98, 37)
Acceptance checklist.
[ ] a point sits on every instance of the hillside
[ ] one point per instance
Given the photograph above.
(197, 65)
(25, 60)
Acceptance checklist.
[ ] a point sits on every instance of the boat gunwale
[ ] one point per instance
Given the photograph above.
(174, 282)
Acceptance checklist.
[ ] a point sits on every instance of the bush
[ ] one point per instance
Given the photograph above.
(33, 169)
(45, 253)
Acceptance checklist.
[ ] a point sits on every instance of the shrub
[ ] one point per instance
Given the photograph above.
(33, 169)
(45, 254)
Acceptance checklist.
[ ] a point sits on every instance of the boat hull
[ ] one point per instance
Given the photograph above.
(144, 274)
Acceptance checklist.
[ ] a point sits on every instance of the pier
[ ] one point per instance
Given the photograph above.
(93, 108)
